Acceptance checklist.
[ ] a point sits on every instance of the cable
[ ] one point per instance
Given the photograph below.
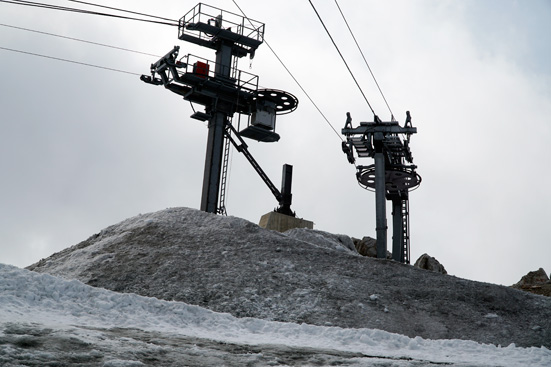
(303, 90)
(342, 57)
(77, 39)
(361, 52)
(70, 61)
(293, 77)
(75, 10)
(122, 10)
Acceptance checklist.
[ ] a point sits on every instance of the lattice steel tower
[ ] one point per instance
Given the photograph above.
(224, 90)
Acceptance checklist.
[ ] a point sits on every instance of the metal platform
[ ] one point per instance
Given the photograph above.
(260, 134)
(238, 91)
(205, 25)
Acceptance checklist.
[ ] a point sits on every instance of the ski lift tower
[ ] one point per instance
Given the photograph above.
(224, 90)
(391, 177)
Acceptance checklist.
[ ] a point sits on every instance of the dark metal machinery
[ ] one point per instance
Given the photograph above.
(392, 176)
(223, 90)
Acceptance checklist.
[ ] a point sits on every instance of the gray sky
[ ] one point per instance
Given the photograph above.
(83, 148)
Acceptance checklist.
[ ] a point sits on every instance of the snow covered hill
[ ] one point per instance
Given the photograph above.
(48, 321)
(230, 265)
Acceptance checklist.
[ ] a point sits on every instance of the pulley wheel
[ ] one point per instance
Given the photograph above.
(395, 180)
(284, 102)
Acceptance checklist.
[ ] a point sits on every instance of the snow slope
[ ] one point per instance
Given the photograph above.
(230, 265)
(37, 309)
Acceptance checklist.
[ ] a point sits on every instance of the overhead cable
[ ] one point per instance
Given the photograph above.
(365, 60)
(341, 55)
(77, 39)
(293, 77)
(123, 10)
(70, 61)
(76, 10)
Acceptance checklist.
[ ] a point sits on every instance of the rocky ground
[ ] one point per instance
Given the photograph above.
(230, 265)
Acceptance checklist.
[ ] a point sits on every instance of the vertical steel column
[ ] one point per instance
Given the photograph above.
(397, 230)
(380, 204)
(213, 163)
(286, 196)
(215, 140)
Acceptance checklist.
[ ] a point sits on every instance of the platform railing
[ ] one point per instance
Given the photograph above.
(207, 14)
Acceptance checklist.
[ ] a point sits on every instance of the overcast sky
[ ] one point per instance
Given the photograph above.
(84, 148)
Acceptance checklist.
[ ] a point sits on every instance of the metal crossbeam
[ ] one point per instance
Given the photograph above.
(383, 128)
(242, 147)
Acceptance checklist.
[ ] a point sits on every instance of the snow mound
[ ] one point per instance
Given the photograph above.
(230, 265)
(328, 240)
(40, 299)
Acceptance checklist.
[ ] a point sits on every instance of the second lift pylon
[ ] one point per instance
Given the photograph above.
(392, 176)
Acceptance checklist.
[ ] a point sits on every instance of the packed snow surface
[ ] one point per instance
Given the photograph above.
(230, 265)
(34, 305)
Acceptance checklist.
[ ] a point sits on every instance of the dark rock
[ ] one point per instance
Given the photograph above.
(367, 246)
(536, 282)
(533, 278)
(427, 262)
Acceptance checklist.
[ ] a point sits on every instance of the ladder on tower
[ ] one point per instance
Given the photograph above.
(405, 231)
(224, 176)
(234, 71)
(226, 155)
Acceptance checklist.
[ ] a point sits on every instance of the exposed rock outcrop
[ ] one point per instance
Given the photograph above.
(427, 262)
(535, 282)
(367, 246)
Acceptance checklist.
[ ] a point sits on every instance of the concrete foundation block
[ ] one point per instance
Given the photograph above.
(281, 222)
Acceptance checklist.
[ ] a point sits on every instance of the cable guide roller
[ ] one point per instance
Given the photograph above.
(267, 104)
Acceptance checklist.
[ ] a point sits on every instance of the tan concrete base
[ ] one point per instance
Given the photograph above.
(281, 222)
